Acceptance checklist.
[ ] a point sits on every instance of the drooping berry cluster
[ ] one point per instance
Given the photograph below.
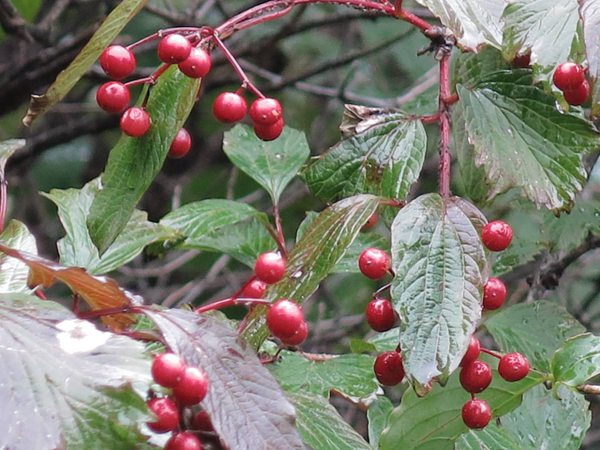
(570, 78)
(496, 236)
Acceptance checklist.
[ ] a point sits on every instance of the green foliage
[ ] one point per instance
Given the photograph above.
(577, 361)
(13, 273)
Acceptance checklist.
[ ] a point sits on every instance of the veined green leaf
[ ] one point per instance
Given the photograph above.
(492, 437)
(378, 415)
(577, 360)
(14, 273)
(590, 14)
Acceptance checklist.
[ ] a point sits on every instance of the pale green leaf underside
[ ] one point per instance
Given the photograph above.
(577, 361)
(590, 13)
(378, 415)
(492, 437)
(14, 273)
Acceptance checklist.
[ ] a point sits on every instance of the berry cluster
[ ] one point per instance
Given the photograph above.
(496, 236)
(570, 78)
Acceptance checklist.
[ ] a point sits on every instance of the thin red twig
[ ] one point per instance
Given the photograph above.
(444, 113)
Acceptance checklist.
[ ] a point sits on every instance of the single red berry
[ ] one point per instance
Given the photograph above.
(370, 223)
(476, 413)
(197, 64)
(254, 289)
(284, 318)
(265, 111)
(298, 337)
(494, 293)
(476, 377)
(374, 263)
(135, 122)
(522, 61)
(113, 97)
(167, 415)
(472, 352)
(183, 441)
(229, 107)
(173, 49)
(380, 314)
(269, 267)
(388, 368)
(202, 422)
(496, 235)
(568, 76)
(117, 61)
(269, 132)
(579, 95)
(192, 386)
(167, 369)
(181, 144)
(513, 367)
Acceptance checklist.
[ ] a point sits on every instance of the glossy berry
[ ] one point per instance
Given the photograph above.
(269, 132)
(472, 352)
(254, 289)
(173, 49)
(476, 376)
(183, 441)
(579, 95)
(513, 367)
(568, 76)
(113, 97)
(284, 318)
(269, 267)
(388, 368)
(202, 422)
(167, 369)
(494, 293)
(370, 223)
(496, 235)
(117, 62)
(197, 64)
(265, 111)
(229, 107)
(522, 61)
(167, 415)
(298, 337)
(476, 413)
(192, 386)
(181, 144)
(135, 122)
(374, 263)
(380, 314)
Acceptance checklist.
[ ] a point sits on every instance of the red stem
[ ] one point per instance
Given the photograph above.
(444, 113)
(231, 301)
(150, 79)
(246, 83)
(161, 33)
(279, 228)
(489, 352)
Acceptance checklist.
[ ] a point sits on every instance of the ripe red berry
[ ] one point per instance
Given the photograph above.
(568, 76)
(370, 223)
(374, 263)
(117, 61)
(197, 64)
(229, 107)
(298, 337)
(388, 368)
(494, 293)
(173, 49)
(522, 61)
(184, 441)
(284, 318)
(269, 132)
(135, 122)
(167, 369)
(265, 111)
(476, 413)
(113, 97)
(472, 352)
(167, 415)
(269, 267)
(254, 289)
(192, 386)
(380, 314)
(496, 235)
(202, 422)
(181, 144)
(579, 95)
(476, 376)
(513, 367)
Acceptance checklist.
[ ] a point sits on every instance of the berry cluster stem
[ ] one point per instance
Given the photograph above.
(246, 83)
(279, 228)
(231, 301)
(445, 98)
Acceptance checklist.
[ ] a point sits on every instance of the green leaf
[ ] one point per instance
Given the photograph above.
(66, 383)
(577, 360)
(590, 14)
(7, 148)
(134, 162)
(492, 437)
(569, 230)
(321, 426)
(537, 330)
(378, 414)
(349, 374)
(386, 341)
(14, 273)
(519, 136)
(106, 33)
(271, 164)
(382, 156)
(439, 265)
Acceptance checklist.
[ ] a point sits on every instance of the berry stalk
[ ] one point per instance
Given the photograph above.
(444, 117)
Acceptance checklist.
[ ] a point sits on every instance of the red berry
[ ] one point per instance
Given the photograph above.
(135, 122)
(476, 413)
(265, 111)
(374, 263)
(183, 441)
(284, 318)
(269, 267)
(181, 144)
(494, 293)
(388, 368)
(568, 76)
(167, 415)
(113, 97)
(167, 369)
(380, 314)
(298, 337)
(496, 235)
(202, 422)
(579, 95)
(513, 367)
(229, 107)
(254, 289)
(173, 49)
(472, 352)
(522, 61)
(117, 61)
(192, 386)
(197, 65)
(269, 132)
(476, 377)
(370, 223)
